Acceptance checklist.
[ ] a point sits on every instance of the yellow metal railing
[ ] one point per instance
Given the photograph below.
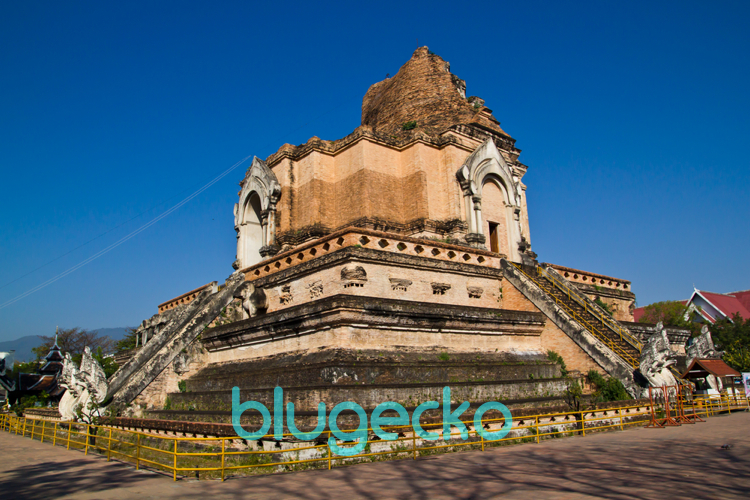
(614, 346)
(606, 320)
(219, 456)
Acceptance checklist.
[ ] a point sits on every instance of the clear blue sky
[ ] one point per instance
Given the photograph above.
(633, 118)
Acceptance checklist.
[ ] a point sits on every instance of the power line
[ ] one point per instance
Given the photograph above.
(134, 233)
(94, 239)
(124, 238)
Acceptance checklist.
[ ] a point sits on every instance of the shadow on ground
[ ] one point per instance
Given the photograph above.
(47, 480)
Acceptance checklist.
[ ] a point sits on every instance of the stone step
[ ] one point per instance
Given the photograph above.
(307, 398)
(543, 294)
(331, 367)
(306, 419)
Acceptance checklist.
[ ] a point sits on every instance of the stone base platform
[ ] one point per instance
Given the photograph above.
(368, 378)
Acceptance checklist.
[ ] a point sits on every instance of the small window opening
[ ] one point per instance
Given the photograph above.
(494, 240)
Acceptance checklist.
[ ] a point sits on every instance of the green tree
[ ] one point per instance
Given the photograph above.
(128, 342)
(108, 362)
(671, 313)
(733, 337)
(74, 340)
(19, 367)
(607, 389)
(30, 402)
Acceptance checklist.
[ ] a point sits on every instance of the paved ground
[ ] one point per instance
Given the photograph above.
(683, 462)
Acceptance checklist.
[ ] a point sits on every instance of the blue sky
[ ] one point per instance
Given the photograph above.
(632, 117)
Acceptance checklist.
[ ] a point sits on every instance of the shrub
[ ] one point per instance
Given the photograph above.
(609, 389)
(599, 302)
(556, 358)
(409, 125)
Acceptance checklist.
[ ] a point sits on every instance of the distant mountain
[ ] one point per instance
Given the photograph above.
(113, 333)
(24, 345)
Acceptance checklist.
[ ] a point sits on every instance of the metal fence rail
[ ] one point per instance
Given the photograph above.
(221, 455)
(626, 356)
(574, 294)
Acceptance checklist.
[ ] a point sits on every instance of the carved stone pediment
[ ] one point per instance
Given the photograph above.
(486, 160)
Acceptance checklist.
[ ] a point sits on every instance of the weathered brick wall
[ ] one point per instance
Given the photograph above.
(370, 179)
(515, 300)
(155, 394)
(554, 339)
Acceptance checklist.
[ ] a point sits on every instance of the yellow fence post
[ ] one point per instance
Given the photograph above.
(33, 427)
(88, 433)
(138, 453)
(622, 428)
(70, 425)
(44, 427)
(223, 447)
(583, 423)
(109, 445)
(174, 469)
(54, 436)
(729, 405)
(329, 454)
(536, 424)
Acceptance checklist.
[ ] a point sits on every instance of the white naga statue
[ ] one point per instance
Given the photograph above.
(86, 388)
(656, 360)
(703, 348)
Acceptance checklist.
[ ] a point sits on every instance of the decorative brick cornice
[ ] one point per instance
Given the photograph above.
(376, 240)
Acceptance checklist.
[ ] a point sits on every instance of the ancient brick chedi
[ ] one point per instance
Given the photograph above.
(421, 164)
(383, 266)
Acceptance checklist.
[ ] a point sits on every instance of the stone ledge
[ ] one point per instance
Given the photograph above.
(351, 310)
(373, 256)
(379, 241)
(604, 291)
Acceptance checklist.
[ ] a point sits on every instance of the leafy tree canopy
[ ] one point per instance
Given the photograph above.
(128, 342)
(671, 313)
(19, 367)
(733, 337)
(74, 340)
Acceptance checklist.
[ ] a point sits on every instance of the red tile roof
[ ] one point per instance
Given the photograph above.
(715, 367)
(638, 313)
(727, 304)
(743, 296)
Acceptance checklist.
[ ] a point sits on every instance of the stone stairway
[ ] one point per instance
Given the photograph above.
(182, 327)
(598, 334)
(590, 315)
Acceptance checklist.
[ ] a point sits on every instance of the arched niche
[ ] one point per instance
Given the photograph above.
(251, 231)
(255, 215)
(487, 167)
(496, 221)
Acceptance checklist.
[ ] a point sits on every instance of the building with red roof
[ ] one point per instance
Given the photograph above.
(713, 307)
